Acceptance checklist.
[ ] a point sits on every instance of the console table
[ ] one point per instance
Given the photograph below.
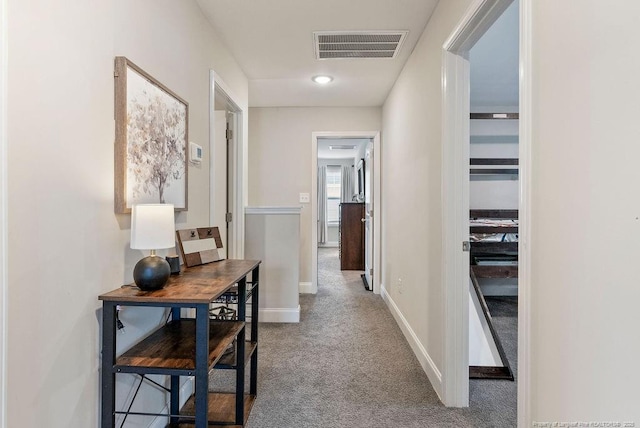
(187, 346)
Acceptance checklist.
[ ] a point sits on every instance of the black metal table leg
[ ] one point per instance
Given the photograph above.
(175, 380)
(253, 377)
(202, 362)
(108, 361)
(240, 378)
(255, 279)
(240, 350)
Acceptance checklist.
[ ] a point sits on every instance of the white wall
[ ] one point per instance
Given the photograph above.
(66, 245)
(585, 211)
(3, 212)
(411, 182)
(280, 157)
(494, 138)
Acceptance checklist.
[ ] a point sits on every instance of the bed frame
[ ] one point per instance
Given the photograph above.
(498, 251)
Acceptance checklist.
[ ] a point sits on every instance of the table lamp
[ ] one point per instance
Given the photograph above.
(152, 228)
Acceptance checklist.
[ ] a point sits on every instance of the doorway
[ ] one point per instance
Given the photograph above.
(456, 113)
(372, 139)
(226, 169)
(494, 198)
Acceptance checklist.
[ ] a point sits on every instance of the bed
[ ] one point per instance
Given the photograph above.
(493, 236)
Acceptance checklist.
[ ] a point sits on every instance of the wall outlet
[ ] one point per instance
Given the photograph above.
(399, 285)
(305, 198)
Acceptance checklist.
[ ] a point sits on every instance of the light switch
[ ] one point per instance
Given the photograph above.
(304, 198)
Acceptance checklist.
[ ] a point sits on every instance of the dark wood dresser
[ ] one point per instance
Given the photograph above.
(351, 236)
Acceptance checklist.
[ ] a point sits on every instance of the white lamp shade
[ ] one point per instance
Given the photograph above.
(152, 226)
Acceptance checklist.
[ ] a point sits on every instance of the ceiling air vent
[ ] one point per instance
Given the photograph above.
(358, 44)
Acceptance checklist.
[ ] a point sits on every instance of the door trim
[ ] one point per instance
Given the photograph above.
(377, 201)
(455, 162)
(524, 227)
(237, 181)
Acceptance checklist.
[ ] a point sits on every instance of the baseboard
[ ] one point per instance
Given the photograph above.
(307, 288)
(429, 367)
(279, 315)
(186, 390)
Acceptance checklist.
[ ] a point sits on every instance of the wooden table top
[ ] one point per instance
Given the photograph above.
(198, 284)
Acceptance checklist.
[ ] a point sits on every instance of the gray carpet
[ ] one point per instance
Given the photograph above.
(347, 364)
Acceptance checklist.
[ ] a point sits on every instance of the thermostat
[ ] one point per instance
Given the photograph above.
(196, 152)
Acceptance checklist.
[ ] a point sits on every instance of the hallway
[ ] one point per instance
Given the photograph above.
(347, 364)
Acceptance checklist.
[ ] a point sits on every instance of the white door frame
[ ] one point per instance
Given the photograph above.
(455, 193)
(524, 216)
(368, 229)
(238, 175)
(377, 265)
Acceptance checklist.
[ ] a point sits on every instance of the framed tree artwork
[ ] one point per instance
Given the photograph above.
(152, 126)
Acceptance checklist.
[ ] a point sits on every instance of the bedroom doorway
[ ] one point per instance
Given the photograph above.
(493, 215)
(480, 16)
(326, 232)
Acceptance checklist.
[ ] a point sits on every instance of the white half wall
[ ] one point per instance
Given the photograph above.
(272, 234)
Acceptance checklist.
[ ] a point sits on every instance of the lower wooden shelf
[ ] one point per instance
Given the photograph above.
(228, 361)
(221, 409)
(172, 347)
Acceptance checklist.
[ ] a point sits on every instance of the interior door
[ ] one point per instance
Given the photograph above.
(231, 172)
(220, 171)
(368, 220)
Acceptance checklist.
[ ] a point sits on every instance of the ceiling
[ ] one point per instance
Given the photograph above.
(273, 42)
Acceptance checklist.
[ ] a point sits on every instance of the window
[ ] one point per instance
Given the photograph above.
(334, 188)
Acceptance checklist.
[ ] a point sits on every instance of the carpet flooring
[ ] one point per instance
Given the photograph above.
(347, 364)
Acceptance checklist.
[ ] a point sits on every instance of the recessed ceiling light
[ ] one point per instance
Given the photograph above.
(342, 147)
(322, 80)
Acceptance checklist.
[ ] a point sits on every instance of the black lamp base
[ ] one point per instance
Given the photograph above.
(151, 273)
